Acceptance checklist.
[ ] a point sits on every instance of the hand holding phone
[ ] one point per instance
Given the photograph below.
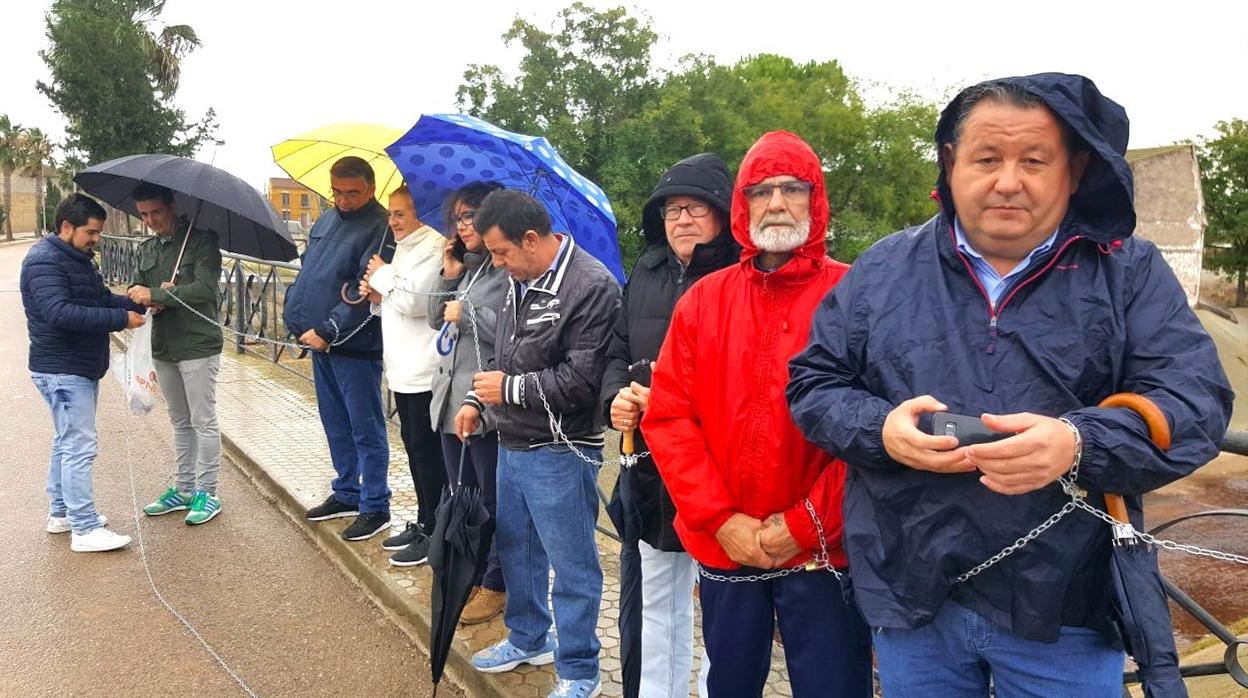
(967, 430)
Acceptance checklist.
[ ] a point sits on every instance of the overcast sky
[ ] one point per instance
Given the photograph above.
(273, 69)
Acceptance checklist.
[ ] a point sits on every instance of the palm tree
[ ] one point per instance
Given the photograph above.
(165, 48)
(37, 149)
(10, 159)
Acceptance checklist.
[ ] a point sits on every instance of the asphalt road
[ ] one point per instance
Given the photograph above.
(280, 614)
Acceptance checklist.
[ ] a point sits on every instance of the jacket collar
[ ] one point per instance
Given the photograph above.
(69, 249)
(552, 279)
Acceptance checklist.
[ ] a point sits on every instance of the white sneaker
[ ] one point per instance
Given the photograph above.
(60, 524)
(97, 540)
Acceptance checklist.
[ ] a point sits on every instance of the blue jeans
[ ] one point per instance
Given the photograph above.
(827, 646)
(547, 506)
(72, 400)
(959, 650)
(348, 396)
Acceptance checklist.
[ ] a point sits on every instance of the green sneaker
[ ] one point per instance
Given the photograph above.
(203, 507)
(171, 500)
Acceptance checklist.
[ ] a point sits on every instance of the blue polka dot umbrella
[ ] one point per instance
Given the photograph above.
(442, 152)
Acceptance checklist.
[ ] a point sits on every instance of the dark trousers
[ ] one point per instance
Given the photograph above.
(424, 454)
(827, 646)
(348, 397)
(480, 470)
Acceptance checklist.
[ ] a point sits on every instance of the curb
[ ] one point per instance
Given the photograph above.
(390, 598)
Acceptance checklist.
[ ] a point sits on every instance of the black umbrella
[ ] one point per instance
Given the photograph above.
(625, 511)
(215, 200)
(457, 554)
(626, 516)
(1137, 595)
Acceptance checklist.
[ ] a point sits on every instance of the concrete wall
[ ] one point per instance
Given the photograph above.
(1170, 210)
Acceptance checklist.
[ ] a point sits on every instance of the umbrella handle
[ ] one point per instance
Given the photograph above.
(1158, 431)
(626, 447)
(178, 264)
(445, 342)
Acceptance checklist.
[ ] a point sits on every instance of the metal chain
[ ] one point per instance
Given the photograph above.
(821, 561)
(1078, 501)
(261, 339)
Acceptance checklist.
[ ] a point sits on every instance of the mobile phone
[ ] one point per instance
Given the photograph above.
(967, 430)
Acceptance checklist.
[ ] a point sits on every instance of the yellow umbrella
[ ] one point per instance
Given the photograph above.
(308, 157)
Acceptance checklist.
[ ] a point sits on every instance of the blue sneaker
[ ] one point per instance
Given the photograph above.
(580, 688)
(505, 656)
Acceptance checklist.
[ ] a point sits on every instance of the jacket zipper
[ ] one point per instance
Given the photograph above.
(994, 311)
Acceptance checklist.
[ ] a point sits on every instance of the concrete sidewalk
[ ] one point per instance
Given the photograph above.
(269, 423)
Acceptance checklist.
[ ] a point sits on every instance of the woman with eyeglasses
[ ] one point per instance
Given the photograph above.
(463, 306)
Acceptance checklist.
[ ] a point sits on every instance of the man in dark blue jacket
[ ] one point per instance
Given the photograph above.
(346, 349)
(1025, 301)
(69, 313)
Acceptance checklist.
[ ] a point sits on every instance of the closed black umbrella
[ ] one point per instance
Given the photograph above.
(1137, 594)
(215, 200)
(458, 551)
(625, 511)
(626, 515)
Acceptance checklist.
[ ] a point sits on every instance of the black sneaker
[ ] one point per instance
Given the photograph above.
(404, 539)
(415, 554)
(331, 508)
(366, 526)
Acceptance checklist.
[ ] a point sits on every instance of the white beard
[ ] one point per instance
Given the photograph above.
(780, 237)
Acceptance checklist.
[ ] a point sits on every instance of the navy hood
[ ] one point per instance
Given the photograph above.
(703, 175)
(1103, 206)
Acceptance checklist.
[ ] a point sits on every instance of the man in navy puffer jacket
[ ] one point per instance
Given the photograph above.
(69, 314)
(1027, 301)
(346, 348)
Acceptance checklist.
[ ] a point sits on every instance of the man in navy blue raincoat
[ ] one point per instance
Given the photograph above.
(1026, 301)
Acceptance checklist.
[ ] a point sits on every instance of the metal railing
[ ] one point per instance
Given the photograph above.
(250, 298)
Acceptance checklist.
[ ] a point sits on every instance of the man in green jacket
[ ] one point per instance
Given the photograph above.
(186, 348)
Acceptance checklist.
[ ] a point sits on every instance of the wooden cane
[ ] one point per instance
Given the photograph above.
(1158, 431)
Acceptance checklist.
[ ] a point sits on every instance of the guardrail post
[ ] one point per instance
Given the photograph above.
(240, 301)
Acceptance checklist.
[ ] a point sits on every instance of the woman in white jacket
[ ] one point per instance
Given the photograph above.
(410, 360)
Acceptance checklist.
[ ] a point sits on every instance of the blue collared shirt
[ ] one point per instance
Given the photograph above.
(993, 282)
(552, 270)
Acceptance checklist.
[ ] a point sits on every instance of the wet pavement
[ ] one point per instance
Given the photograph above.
(279, 614)
(271, 626)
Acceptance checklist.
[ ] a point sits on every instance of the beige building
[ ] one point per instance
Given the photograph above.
(295, 202)
(25, 213)
(1170, 209)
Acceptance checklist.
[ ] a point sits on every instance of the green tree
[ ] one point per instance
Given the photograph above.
(11, 158)
(52, 198)
(1224, 179)
(37, 156)
(575, 83)
(590, 88)
(115, 70)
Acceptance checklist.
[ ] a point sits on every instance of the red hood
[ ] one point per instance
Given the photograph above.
(781, 153)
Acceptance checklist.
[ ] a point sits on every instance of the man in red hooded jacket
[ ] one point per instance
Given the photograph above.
(754, 500)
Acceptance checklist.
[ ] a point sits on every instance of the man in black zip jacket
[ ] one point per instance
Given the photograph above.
(550, 352)
(684, 221)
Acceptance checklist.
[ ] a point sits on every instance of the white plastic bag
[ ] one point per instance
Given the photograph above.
(135, 371)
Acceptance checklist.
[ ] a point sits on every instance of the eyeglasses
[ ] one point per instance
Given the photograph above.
(696, 210)
(793, 192)
(465, 218)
